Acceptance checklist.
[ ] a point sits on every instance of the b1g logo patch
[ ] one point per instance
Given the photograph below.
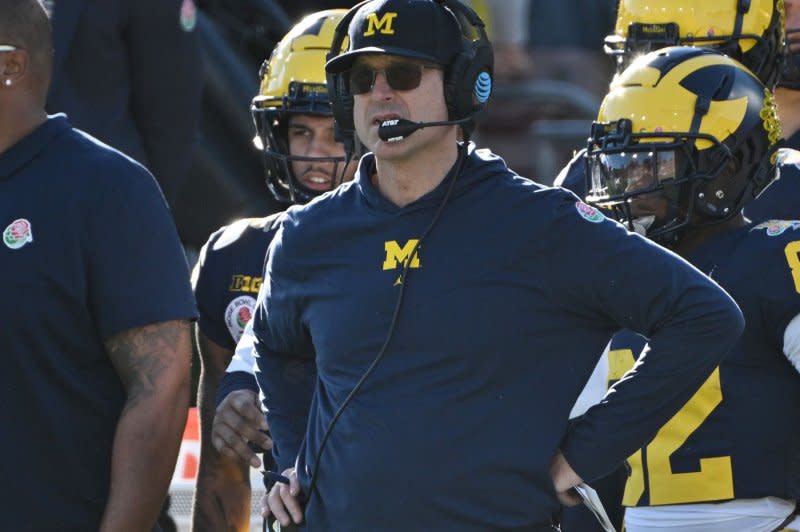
(589, 213)
(18, 233)
(238, 313)
(777, 227)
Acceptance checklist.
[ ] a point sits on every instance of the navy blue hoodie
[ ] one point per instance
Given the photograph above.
(512, 298)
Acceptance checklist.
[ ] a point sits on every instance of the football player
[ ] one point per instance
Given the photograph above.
(302, 159)
(685, 138)
(751, 32)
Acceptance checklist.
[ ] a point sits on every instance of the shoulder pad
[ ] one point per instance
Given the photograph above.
(233, 232)
(788, 156)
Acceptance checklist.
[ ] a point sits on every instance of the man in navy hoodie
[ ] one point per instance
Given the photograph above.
(423, 331)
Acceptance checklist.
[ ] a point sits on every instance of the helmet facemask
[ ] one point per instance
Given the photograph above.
(272, 124)
(686, 135)
(650, 181)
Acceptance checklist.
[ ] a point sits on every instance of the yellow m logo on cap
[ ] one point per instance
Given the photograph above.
(382, 24)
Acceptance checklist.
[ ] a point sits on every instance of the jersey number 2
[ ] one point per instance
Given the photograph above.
(713, 481)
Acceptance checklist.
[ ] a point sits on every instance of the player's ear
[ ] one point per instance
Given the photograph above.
(14, 65)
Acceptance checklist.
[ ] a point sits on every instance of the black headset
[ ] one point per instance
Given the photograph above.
(467, 81)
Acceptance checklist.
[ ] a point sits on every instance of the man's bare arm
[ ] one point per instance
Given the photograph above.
(153, 364)
(222, 495)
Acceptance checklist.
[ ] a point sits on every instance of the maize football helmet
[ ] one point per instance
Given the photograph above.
(750, 31)
(293, 81)
(688, 127)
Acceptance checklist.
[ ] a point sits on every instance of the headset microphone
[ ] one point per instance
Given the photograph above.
(397, 129)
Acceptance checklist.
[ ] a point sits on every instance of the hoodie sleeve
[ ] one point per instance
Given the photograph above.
(284, 354)
(692, 324)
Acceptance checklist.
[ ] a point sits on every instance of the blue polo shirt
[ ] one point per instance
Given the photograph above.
(88, 250)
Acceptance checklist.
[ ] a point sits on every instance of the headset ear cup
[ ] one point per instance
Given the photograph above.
(457, 91)
(468, 80)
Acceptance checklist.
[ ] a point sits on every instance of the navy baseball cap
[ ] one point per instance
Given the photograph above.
(417, 29)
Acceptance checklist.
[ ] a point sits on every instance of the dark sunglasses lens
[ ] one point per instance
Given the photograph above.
(403, 76)
(361, 80)
(399, 76)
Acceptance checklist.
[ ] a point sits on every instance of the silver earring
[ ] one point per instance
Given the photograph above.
(7, 82)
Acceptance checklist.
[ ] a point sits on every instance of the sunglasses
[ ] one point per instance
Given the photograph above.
(7, 48)
(399, 76)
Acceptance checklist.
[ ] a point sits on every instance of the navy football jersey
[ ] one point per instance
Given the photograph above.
(505, 311)
(737, 437)
(625, 348)
(781, 200)
(226, 281)
(227, 277)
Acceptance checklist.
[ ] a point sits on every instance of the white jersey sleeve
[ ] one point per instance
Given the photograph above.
(243, 359)
(595, 388)
(791, 342)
